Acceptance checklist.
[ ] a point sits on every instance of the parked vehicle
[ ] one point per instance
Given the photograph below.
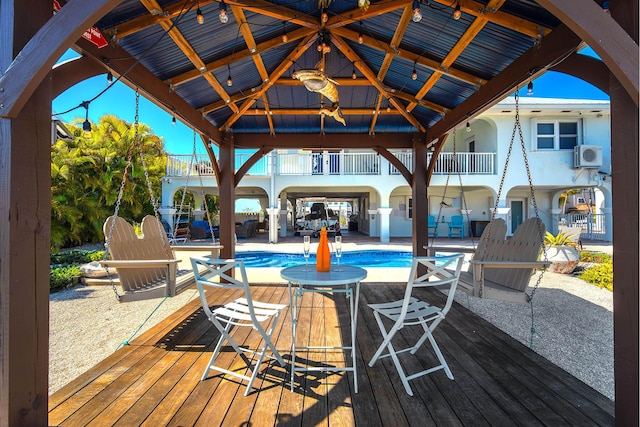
(315, 215)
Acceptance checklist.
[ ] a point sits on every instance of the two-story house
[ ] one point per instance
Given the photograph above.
(567, 145)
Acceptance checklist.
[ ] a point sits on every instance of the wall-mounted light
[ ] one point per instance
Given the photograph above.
(222, 12)
(372, 213)
(417, 15)
(457, 13)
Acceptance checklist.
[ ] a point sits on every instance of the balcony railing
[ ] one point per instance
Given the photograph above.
(336, 164)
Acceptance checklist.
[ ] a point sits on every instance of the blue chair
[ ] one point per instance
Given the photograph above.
(432, 227)
(456, 226)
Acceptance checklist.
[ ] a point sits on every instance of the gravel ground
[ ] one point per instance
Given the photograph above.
(573, 322)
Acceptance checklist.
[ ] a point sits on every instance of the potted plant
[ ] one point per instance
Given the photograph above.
(561, 252)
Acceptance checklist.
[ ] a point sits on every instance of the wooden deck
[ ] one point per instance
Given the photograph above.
(155, 381)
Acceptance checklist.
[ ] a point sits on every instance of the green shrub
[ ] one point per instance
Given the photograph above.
(64, 276)
(76, 257)
(600, 275)
(64, 269)
(598, 257)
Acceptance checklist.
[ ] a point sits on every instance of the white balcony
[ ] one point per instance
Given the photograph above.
(339, 163)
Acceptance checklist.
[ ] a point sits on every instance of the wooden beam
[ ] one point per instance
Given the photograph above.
(35, 60)
(284, 65)
(180, 40)
(152, 88)
(559, 44)
(471, 32)
(395, 161)
(238, 56)
(396, 51)
(330, 141)
(587, 68)
(610, 41)
(497, 17)
(247, 35)
(370, 75)
(68, 73)
(312, 111)
(278, 12)
(375, 9)
(255, 157)
(267, 112)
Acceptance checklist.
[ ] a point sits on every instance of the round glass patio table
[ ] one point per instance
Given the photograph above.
(343, 279)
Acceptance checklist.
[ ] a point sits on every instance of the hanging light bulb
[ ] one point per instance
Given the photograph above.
(199, 16)
(324, 17)
(86, 126)
(414, 74)
(173, 119)
(360, 38)
(353, 73)
(222, 12)
(229, 81)
(468, 128)
(530, 88)
(285, 37)
(109, 77)
(417, 15)
(457, 13)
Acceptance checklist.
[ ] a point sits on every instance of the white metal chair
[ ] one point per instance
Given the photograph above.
(240, 312)
(409, 311)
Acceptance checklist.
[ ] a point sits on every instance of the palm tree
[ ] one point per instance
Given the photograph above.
(87, 174)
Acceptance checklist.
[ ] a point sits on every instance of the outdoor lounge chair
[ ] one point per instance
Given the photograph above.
(411, 311)
(247, 229)
(456, 226)
(242, 312)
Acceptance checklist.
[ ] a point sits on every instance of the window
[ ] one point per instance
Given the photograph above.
(555, 134)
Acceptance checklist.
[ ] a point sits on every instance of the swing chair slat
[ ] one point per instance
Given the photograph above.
(146, 265)
(501, 268)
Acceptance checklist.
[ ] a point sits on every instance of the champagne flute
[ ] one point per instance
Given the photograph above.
(307, 249)
(338, 247)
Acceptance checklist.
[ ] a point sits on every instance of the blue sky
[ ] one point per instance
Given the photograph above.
(178, 139)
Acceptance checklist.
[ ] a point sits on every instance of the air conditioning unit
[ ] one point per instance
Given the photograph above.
(587, 156)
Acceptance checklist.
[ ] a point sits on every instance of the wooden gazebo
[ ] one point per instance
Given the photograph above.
(407, 72)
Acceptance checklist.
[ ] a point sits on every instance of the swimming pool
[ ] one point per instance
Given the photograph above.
(370, 258)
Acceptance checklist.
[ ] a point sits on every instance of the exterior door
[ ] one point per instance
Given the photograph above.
(517, 213)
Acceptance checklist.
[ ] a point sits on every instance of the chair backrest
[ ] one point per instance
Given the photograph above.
(457, 220)
(525, 245)
(495, 231)
(434, 271)
(222, 269)
(431, 221)
(125, 244)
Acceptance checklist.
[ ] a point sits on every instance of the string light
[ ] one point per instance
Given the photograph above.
(229, 81)
(285, 37)
(86, 126)
(109, 77)
(530, 88)
(173, 120)
(324, 17)
(414, 74)
(353, 73)
(222, 12)
(417, 15)
(468, 128)
(360, 36)
(199, 15)
(457, 13)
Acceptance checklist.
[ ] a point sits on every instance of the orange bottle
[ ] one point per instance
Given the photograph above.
(323, 256)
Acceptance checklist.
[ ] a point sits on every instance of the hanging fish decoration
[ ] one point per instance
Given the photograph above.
(364, 5)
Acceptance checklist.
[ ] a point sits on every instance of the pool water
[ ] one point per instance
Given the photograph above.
(371, 258)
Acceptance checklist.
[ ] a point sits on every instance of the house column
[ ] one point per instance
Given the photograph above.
(273, 224)
(384, 224)
(283, 214)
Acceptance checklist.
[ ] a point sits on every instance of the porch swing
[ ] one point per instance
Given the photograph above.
(501, 268)
(146, 266)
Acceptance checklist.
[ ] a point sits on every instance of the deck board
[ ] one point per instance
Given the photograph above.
(498, 381)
